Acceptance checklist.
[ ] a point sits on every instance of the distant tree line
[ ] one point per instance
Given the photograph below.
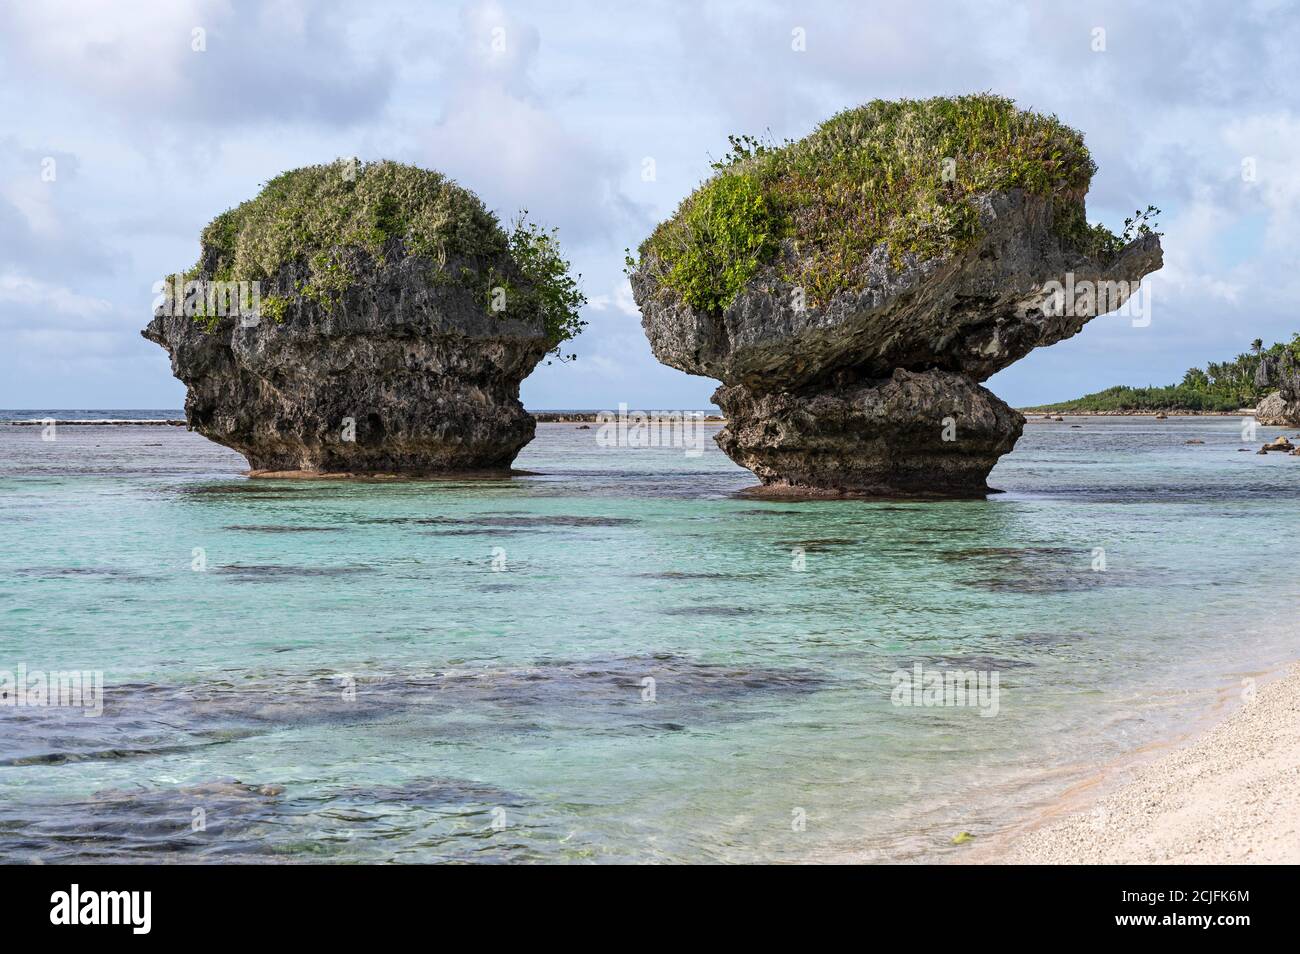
(1219, 386)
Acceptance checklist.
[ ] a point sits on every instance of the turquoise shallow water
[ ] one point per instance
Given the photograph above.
(380, 692)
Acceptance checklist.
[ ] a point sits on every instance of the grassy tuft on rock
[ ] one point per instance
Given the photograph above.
(902, 174)
(314, 214)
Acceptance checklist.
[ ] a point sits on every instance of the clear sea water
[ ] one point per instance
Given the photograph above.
(457, 671)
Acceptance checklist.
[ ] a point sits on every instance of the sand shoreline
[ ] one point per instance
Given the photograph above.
(1229, 794)
(1038, 414)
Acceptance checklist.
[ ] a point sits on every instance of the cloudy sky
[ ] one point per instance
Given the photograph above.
(119, 141)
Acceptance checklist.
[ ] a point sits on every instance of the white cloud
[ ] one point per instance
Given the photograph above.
(29, 293)
(619, 299)
(555, 114)
(500, 138)
(197, 62)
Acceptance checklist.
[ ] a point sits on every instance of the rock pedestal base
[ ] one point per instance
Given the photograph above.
(931, 433)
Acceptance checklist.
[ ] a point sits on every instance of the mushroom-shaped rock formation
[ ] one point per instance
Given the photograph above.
(851, 290)
(365, 318)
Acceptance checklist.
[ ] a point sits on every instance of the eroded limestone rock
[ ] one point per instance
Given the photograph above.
(876, 388)
(394, 322)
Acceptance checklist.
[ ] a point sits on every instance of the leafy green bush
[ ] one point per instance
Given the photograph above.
(1101, 243)
(314, 214)
(551, 289)
(902, 174)
(274, 307)
(727, 233)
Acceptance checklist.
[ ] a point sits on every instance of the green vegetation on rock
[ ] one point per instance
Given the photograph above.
(903, 174)
(316, 214)
(1219, 386)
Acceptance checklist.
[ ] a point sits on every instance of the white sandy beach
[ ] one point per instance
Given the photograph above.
(1230, 796)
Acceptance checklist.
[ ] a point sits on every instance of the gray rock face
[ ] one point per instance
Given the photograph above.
(1282, 407)
(880, 436)
(1276, 411)
(878, 391)
(404, 374)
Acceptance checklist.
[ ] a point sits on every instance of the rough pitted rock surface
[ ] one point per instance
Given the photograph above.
(428, 377)
(852, 396)
(891, 428)
(1282, 407)
(1276, 411)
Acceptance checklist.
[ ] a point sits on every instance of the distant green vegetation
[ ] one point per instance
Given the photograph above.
(1224, 386)
(902, 174)
(1124, 398)
(314, 214)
